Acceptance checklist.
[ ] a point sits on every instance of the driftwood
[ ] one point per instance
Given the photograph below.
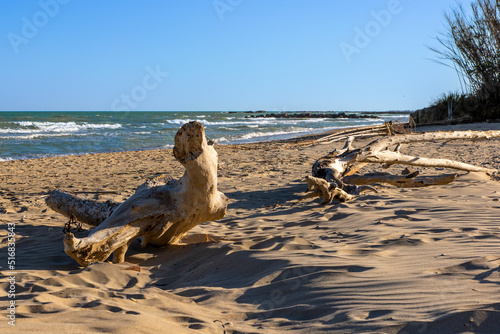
(339, 167)
(160, 212)
(326, 190)
(400, 181)
(86, 211)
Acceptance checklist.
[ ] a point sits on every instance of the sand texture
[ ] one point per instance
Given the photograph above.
(422, 260)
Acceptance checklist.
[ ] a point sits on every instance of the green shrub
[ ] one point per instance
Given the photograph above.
(472, 44)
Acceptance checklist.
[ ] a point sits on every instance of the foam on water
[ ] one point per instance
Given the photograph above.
(42, 134)
(256, 121)
(36, 127)
(275, 135)
(47, 135)
(243, 122)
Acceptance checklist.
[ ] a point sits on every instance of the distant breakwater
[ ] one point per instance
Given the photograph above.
(311, 115)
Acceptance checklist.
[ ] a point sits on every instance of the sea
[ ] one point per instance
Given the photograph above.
(29, 135)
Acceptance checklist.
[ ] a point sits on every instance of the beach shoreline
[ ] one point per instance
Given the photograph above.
(45, 134)
(404, 260)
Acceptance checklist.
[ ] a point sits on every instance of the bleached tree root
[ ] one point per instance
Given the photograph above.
(160, 212)
(348, 161)
(339, 167)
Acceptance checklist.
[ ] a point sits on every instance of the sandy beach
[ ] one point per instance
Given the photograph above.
(420, 260)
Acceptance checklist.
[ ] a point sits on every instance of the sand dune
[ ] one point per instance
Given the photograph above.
(423, 260)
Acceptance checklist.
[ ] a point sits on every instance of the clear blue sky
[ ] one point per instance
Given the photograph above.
(181, 55)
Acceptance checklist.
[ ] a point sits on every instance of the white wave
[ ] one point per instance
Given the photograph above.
(179, 121)
(258, 122)
(17, 131)
(252, 122)
(47, 135)
(243, 122)
(5, 159)
(36, 127)
(265, 135)
(302, 121)
(276, 135)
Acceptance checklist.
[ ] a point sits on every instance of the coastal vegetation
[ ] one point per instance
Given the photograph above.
(470, 45)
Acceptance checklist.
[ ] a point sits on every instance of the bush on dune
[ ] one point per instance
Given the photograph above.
(472, 46)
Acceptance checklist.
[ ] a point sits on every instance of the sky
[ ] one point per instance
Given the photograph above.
(221, 55)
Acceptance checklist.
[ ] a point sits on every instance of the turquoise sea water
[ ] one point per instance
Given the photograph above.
(25, 135)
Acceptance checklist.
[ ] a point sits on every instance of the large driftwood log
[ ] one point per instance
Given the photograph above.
(160, 212)
(400, 181)
(338, 167)
(349, 160)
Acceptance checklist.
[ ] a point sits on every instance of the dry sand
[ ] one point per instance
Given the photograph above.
(420, 260)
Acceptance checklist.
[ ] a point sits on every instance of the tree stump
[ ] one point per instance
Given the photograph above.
(160, 212)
